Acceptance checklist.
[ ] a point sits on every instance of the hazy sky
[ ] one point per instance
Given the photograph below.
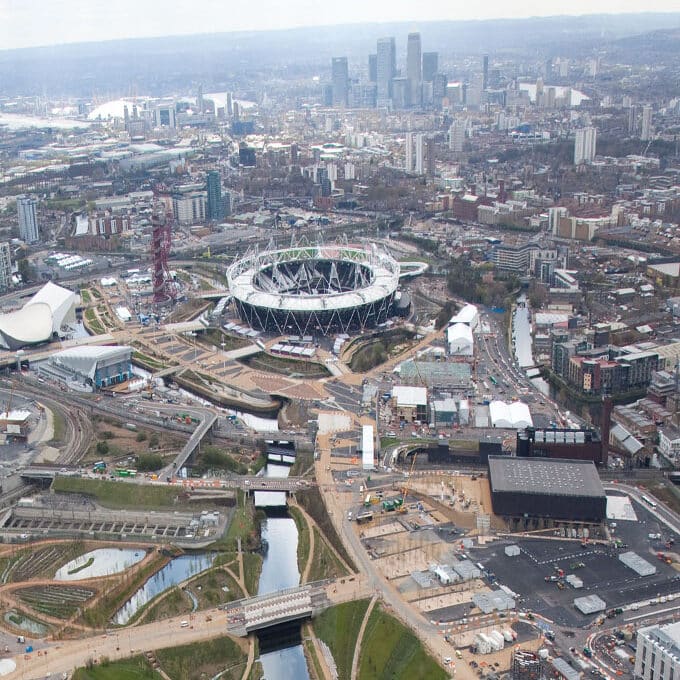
(27, 23)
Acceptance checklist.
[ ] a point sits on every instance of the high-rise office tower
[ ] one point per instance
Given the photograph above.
(632, 120)
(5, 266)
(420, 154)
(646, 131)
(430, 156)
(199, 99)
(485, 72)
(430, 66)
(340, 81)
(28, 220)
(408, 164)
(215, 207)
(457, 136)
(414, 67)
(230, 104)
(585, 144)
(372, 68)
(386, 66)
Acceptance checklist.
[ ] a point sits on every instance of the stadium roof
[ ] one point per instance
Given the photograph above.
(545, 476)
(384, 279)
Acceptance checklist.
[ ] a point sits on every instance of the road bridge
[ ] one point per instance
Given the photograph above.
(265, 611)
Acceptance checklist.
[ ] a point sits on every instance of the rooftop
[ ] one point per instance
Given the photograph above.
(540, 475)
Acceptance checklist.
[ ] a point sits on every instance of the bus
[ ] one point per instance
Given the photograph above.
(122, 472)
(649, 501)
(493, 380)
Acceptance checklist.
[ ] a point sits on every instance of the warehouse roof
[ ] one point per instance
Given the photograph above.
(543, 475)
(405, 395)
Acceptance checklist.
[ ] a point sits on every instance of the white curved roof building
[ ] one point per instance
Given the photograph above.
(468, 315)
(513, 416)
(460, 340)
(42, 316)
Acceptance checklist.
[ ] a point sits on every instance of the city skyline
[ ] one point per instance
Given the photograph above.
(24, 25)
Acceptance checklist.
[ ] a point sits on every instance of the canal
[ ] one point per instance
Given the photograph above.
(281, 653)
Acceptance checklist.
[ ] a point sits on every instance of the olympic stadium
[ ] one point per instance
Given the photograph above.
(315, 290)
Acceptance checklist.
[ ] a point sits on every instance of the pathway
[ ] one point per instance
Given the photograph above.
(251, 657)
(360, 638)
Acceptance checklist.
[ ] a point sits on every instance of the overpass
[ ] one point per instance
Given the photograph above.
(255, 613)
(246, 483)
(196, 438)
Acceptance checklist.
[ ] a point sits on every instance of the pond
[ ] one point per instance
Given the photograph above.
(177, 570)
(31, 626)
(104, 562)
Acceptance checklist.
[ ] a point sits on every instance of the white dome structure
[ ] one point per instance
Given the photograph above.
(39, 319)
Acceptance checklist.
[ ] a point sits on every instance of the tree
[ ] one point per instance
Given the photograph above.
(102, 448)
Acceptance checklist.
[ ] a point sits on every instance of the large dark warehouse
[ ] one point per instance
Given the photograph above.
(546, 488)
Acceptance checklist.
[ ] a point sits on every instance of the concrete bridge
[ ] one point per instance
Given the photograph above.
(246, 483)
(264, 611)
(196, 438)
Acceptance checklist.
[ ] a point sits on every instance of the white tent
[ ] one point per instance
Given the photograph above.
(511, 416)
(460, 340)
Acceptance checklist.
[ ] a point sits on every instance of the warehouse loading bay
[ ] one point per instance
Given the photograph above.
(442, 547)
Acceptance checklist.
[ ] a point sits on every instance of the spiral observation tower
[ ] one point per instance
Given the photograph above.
(314, 290)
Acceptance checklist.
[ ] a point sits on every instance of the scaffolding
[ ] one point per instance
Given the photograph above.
(526, 665)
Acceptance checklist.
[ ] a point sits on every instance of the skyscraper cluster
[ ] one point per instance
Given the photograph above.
(387, 87)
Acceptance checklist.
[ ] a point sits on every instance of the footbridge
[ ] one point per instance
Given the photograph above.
(196, 438)
(264, 611)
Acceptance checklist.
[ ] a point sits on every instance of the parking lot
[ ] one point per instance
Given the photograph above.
(602, 573)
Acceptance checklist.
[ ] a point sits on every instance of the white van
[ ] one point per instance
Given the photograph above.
(183, 624)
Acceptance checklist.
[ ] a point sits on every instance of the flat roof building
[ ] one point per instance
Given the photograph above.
(658, 652)
(539, 487)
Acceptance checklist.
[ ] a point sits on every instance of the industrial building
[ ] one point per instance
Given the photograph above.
(91, 367)
(543, 488)
(560, 443)
(43, 316)
(410, 403)
(658, 652)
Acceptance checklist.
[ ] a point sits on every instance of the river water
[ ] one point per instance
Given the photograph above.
(177, 570)
(280, 570)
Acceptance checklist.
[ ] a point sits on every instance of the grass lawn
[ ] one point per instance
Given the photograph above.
(204, 660)
(339, 628)
(390, 651)
(252, 565)
(324, 562)
(118, 494)
(303, 537)
(174, 603)
(127, 669)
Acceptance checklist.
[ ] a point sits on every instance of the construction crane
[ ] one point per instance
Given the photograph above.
(405, 488)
